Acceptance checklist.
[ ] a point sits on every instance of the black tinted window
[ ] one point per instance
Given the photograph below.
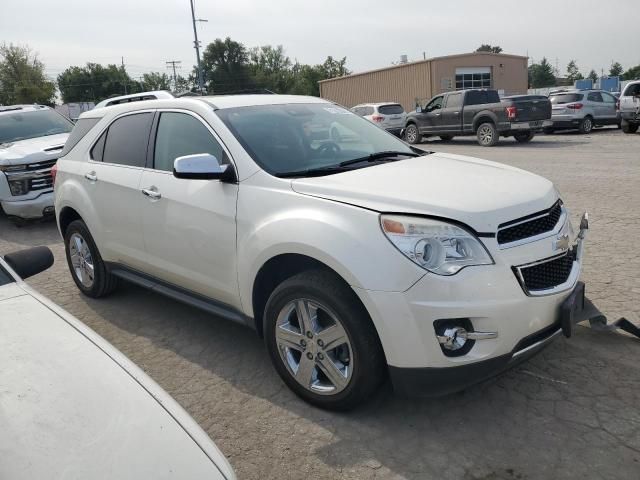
(479, 97)
(390, 109)
(454, 100)
(181, 134)
(127, 140)
(632, 90)
(563, 98)
(98, 149)
(81, 128)
(594, 97)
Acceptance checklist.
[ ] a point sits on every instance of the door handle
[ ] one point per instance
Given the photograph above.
(438, 114)
(91, 176)
(152, 193)
(456, 113)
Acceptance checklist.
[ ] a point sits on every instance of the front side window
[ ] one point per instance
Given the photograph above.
(181, 134)
(127, 139)
(434, 104)
(17, 125)
(290, 138)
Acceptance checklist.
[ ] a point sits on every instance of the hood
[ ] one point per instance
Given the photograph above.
(32, 150)
(476, 192)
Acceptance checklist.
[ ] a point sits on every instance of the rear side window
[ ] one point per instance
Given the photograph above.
(181, 134)
(594, 97)
(632, 90)
(479, 97)
(81, 128)
(98, 149)
(563, 98)
(390, 109)
(607, 98)
(127, 140)
(454, 100)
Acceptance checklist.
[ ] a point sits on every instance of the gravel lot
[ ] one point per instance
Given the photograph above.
(571, 412)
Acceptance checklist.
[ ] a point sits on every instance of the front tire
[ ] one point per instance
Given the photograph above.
(524, 137)
(586, 125)
(87, 269)
(322, 342)
(487, 134)
(629, 127)
(412, 134)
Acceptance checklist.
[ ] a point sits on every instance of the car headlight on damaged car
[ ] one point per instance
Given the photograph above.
(439, 247)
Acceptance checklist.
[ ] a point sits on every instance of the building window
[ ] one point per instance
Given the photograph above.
(473, 78)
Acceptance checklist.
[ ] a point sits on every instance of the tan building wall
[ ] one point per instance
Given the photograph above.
(421, 80)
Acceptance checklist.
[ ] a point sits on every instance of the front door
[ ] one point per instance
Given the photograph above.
(189, 226)
(431, 118)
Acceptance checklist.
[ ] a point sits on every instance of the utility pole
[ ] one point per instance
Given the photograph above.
(172, 64)
(196, 44)
(124, 77)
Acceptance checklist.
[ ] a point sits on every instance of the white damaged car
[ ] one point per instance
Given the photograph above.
(354, 258)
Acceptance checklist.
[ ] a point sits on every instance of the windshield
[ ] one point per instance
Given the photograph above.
(18, 125)
(284, 139)
(565, 98)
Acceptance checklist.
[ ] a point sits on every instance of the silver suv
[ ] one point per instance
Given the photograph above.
(630, 107)
(582, 110)
(389, 116)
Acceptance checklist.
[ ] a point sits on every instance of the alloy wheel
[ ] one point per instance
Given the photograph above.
(81, 260)
(486, 135)
(314, 346)
(412, 134)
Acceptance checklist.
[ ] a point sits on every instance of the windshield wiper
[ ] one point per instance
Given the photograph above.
(314, 172)
(378, 156)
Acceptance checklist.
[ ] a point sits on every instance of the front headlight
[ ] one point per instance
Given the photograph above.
(439, 247)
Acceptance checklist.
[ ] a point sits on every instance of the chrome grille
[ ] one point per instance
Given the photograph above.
(33, 177)
(530, 226)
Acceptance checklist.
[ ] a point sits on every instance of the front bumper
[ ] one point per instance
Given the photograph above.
(29, 208)
(630, 116)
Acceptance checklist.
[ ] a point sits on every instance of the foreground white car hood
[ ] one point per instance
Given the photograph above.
(71, 406)
(479, 193)
(32, 150)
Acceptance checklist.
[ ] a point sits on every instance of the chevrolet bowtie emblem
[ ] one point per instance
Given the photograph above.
(562, 242)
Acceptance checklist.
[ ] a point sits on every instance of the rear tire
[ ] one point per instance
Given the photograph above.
(412, 134)
(524, 137)
(629, 127)
(487, 135)
(327, 306)
(446, 138)
(87, 269)
(586, 125)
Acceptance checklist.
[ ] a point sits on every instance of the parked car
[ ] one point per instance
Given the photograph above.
(387, 115)
(481, 113)
(630, 107)
(353, 260)
(31, 139)
(582, 110)
(135, 97)
(75, 407)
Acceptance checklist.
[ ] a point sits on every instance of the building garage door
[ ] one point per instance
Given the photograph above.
(473, 77)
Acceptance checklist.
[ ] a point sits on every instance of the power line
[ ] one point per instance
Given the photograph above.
(172, 64)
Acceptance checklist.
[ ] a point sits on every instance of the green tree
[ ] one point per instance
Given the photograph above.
(593, 76)
(485, 47)
(156, 81)
(271, 68)
(541, 74)
(332, 68)
(225, 65)
(573, 73)
(22, 78)
(95, 82)
(632, 74)
(616, 69)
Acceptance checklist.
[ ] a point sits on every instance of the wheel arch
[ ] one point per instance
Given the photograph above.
(484, 117)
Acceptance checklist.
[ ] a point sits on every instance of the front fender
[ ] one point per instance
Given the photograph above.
(345, 238)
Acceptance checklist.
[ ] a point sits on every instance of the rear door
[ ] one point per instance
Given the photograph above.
(189, 225)
(112, 180)
(609, 107)
(452, 113)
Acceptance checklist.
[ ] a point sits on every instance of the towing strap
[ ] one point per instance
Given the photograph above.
(598, 321)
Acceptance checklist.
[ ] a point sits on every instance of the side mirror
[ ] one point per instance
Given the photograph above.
(202, 166)
(418, 109)
(29, 262)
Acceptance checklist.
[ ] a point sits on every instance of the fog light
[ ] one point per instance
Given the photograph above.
(453, 338)
(19, 187)
(456, 336)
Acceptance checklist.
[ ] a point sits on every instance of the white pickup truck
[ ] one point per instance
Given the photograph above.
(31, 140)
(630, 107)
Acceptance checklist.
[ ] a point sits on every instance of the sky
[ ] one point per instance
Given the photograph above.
(371, 34)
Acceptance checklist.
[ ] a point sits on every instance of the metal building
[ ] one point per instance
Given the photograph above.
(415, 82)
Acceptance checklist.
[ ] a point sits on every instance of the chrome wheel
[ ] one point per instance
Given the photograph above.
(314, 346)
(412, 134)
(81, 260)
(485, 134)
(587, 125)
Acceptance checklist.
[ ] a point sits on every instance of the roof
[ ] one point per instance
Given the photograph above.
(444, 57)
(22, 108)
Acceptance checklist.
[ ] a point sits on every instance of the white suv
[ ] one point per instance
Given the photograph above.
(389, 116)
(630, 107)
(353, 260)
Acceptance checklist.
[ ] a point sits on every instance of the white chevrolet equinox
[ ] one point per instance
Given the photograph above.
(354, 258)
